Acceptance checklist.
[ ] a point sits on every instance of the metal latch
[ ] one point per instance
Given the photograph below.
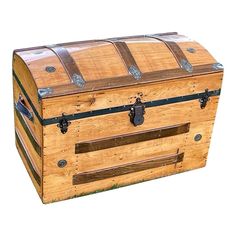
(136, 113)
(204, 99)
(63, 125)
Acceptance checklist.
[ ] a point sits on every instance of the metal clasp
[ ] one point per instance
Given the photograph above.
(136, 113)
(204, 99)
(63, 125)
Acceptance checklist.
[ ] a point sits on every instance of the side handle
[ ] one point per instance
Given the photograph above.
(21, 107)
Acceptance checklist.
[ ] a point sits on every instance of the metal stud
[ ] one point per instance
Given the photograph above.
(197, 137)
(50, 69)
(191, 50)
(62, 163)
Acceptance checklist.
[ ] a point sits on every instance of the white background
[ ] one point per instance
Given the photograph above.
(200, 202)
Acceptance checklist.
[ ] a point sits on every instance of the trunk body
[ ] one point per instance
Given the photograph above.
(100, 114)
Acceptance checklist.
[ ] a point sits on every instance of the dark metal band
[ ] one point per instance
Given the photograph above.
(27, 159)
(176, 51)
(126, 139)
(105, 111)
(69, 64)
(34, 143)
(112, 172)
(161, 102)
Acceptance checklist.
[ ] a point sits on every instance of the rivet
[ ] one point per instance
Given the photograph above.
(191, 50)
(197, 137)
(62, 163)
(50, 69)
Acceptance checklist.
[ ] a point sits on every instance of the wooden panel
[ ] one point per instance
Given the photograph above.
(99, 60)
(195, 156)
(35, 126)
(112, 156)
(126, 139)
(53, 107)
(122, 154)
(134, 167)
(59, 187)
(35, 158)
(119, 124)
(36, 179)
(28, 132)
(199, 57)
(152, 56)
(25, 77)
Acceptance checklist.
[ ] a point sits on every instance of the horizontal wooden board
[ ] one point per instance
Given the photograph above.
(36, 179)
(35, 158)
(119, 124)
(196, 153)
(98, 144)
(87, 177)
(53, 107)
(59, 187)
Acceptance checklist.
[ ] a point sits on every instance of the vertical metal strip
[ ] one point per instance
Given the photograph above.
(127, 57)
(69, 64)
(176, 51)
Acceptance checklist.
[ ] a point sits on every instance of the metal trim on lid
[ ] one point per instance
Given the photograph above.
(69, 64)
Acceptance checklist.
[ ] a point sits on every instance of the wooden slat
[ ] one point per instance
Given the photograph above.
(119, 124)
(27, 158)
(126, 139)
(123, 81)
(54, 107)
(59, 186)
(35, 158)
(88, 177)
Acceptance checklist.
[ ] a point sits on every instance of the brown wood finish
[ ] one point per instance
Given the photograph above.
(110, 151)
(136, 137)
(66, 60)
(125, 54)
(58, 187)
(91, 176)
(35, 127)
(28, 132)
(92, 59)
(21, 68)
(128, 80)
(173, 47)
(54, 107)
(35, 158)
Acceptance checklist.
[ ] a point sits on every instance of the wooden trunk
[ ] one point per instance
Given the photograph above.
(100, 114)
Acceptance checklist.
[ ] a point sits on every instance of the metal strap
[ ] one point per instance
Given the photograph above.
(127, 57)
(69, 64)
(176, 51)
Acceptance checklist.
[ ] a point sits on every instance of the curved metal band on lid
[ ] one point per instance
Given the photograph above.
(68, 63)
(176, 51)
(127, 57)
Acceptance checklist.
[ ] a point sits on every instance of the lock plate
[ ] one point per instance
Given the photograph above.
(137, 112)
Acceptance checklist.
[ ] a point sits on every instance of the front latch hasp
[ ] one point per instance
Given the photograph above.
(137, 112)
